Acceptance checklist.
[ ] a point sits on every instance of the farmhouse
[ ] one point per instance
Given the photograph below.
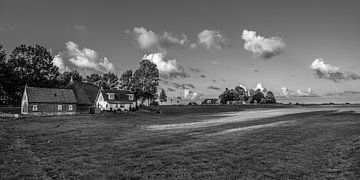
(85, 94)
(213, 101)
(49, 101)
(115, 100)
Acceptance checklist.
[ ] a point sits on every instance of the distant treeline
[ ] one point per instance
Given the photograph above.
(251, 96)
(33, 66)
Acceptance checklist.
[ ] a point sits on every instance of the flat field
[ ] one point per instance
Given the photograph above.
(186, 142)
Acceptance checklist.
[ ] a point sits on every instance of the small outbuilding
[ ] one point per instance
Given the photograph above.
(115, 100)
(213, 101)
(48, 101)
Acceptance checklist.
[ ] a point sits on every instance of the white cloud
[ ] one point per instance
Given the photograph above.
(164, 66)
(148, 40)
(59, 62)
(84, 60)
(263, 47)
(333, 73)
(260, 87)
(167, 68)
(212, 39)
(285, 91)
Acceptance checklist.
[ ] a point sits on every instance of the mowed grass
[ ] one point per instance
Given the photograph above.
(324, 144)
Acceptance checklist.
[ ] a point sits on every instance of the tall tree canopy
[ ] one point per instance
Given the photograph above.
(163, 96)
(126, 80)
(146, 80)
(106, 81)
(32, 66)
(65, 77)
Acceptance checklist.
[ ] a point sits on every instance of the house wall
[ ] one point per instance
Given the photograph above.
(24, 103)
(49, 109)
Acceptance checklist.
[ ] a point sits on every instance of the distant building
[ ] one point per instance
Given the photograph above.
(115, 100)
(213, 101)
(48, 101)
(85, 94)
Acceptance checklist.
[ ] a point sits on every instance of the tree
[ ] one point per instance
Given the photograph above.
(257, 97)
(3, 72)
(32, 66)
(111, 81)
(163, 96)
(269, 97)
(126, 80)
(94, 79)
(65, 77)
(106, 81)
(146, 80)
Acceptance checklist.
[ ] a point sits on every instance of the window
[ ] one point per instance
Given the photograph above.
(59, 107)
(131, 97)
(34, 108)
(209, 101)
(111, 96)
(70, 107)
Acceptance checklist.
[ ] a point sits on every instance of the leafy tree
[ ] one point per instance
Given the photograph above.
(3, 73)
(163, 96)
(65, 77)
(146, 80)
(111, 81)
(126, 80)
(106, 81)
(269, 97)
(257, 97)
(94, 79)
(32, 66)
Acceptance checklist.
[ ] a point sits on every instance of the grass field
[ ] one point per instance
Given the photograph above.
(217, 142)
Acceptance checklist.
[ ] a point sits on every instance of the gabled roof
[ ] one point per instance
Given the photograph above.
(121, 96)
(85, 93)
(50, 95)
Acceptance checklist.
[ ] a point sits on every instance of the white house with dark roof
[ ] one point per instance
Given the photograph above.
(49, 101)
(115, 100)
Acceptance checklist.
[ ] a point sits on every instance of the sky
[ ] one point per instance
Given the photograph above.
(200, 47)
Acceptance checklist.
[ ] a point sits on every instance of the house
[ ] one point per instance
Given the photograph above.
(85, 94)
(213, 101)
(115, 100)
(49, 101)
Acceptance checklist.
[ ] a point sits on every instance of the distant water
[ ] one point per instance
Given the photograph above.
(319, 99)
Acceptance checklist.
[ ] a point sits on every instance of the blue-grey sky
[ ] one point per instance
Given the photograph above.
(281, 44)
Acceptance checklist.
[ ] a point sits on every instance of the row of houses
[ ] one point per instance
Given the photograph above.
(76, 97)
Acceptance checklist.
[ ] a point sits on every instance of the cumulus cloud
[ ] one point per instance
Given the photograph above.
(285, 91)
(261, 46)
(148, 40)
(260, 87)
(168, 69)
(214, 88)
(307, 92)
(188, 94)
(333, 73)
(84, 60)
(299, 93)
(212, 39)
